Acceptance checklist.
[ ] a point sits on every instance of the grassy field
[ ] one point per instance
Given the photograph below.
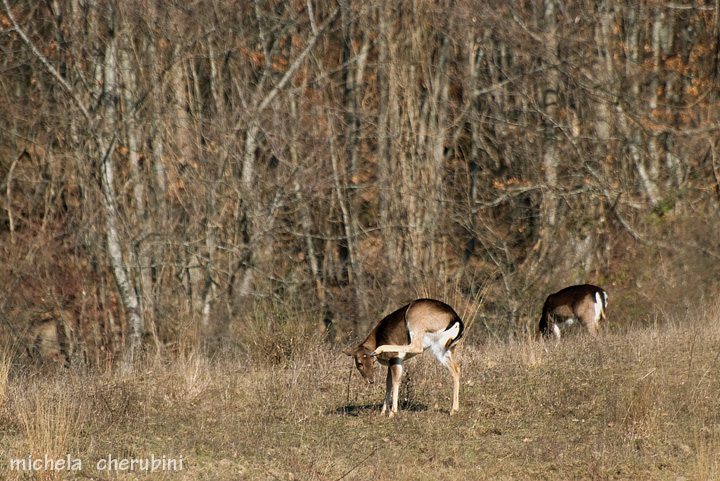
(642, 404)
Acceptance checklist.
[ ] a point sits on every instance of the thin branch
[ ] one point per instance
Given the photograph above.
(625, 224)
(505, 197)
(295, 65)
(362, 461)
(46, 63)
(311, 15)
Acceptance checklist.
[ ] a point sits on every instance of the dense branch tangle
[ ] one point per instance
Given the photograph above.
(343, 156)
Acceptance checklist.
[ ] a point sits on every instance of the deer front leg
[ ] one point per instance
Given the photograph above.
(556, 330)
(393, 383)
(415, 347)
(388, 390)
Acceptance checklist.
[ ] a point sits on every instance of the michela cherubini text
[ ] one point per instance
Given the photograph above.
(108, 463)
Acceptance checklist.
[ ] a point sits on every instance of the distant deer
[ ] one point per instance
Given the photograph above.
(586, 303)
(422, 324)
(48, 339)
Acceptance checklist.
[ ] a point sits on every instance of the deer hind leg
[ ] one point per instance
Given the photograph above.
(593, 327)
(454, 369)
(590, 317)
(415, 346)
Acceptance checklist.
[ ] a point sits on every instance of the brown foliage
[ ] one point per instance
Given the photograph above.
(341, 160)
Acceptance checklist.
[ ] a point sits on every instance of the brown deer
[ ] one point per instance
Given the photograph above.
(585, 303)
(423, 324)
(49, 338)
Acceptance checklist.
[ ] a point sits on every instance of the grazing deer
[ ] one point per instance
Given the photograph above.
(586, 303)
(422, 324)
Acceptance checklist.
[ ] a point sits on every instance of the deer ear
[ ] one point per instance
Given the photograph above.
(349, 351)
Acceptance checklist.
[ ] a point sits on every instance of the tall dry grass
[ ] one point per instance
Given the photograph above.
(49, 416)
(637, 404)
(277, 333)
(5, 365)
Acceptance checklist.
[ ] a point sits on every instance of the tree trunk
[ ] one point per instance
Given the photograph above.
(384, 159)
(551, 159)
(106, 143)
(356, 275)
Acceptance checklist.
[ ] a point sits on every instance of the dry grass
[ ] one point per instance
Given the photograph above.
(636, 405)
(5, 365)
(48, 415)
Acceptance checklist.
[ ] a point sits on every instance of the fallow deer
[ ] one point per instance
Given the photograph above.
(48, 338)
(421, 325)
(585, 303)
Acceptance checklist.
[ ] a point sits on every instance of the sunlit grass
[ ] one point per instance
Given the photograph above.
(49, 415)
(641, 404)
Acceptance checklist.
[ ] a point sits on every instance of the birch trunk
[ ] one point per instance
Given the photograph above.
(106, 143)
(384, 168)
(141, 249)
(634, 16)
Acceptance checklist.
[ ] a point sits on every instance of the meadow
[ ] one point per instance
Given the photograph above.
(639, 403)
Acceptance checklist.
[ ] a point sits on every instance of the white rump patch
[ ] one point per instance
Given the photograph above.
(436, 342)
(598, 306)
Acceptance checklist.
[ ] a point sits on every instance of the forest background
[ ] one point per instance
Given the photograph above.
(237, 174)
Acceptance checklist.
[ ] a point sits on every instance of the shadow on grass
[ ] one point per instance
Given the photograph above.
(360, 409)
